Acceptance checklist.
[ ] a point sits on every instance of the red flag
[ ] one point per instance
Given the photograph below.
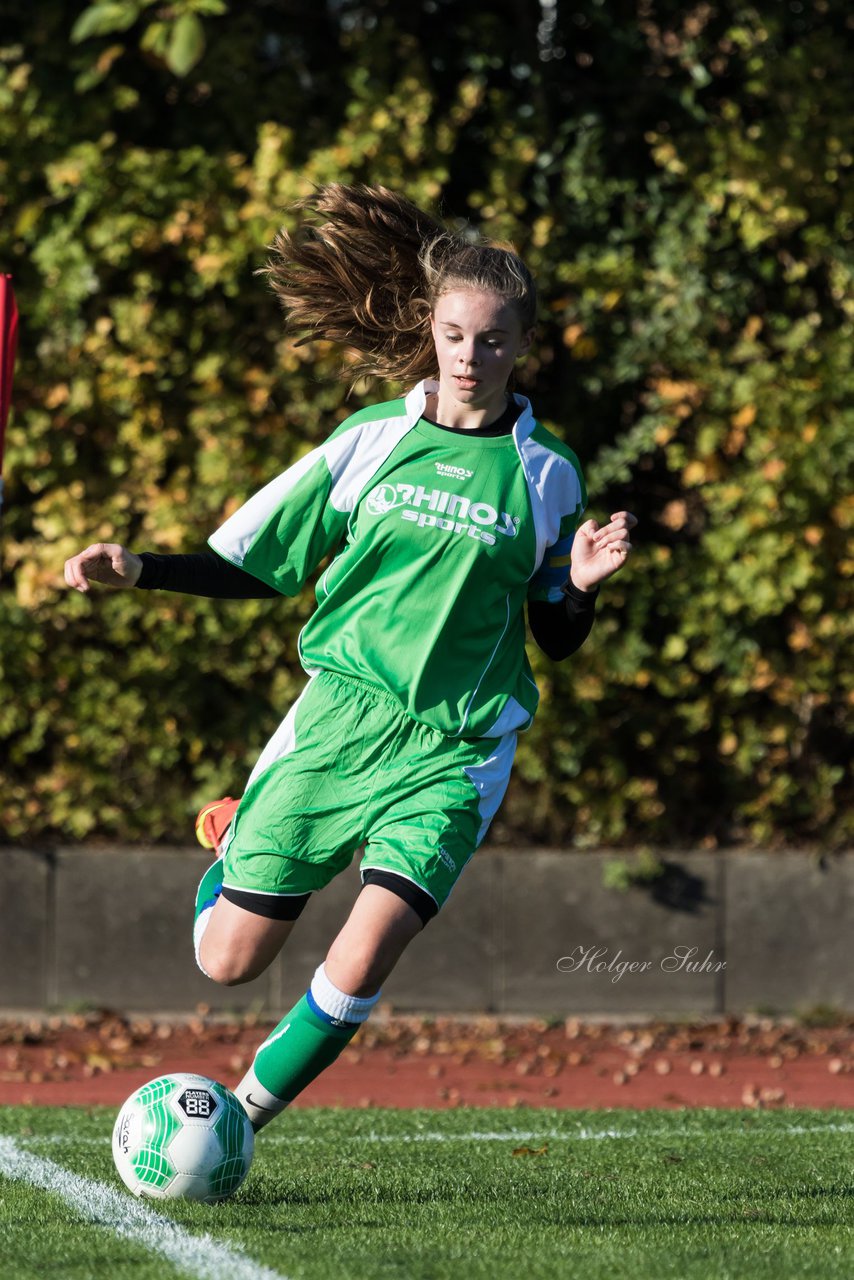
(8, 347)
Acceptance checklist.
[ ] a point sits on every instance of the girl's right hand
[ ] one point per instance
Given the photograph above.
(103, 562)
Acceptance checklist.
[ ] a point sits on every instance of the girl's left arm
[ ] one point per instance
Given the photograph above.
(560, 627)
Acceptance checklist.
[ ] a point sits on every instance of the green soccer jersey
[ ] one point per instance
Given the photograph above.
(437, 539)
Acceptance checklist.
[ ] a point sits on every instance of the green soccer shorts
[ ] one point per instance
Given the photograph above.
(348, 767)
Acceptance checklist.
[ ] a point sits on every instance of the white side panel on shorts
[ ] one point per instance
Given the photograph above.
(490, 780)
(513, 716)
(282, 742)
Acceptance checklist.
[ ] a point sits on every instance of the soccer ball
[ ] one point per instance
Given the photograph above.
(183, 1137)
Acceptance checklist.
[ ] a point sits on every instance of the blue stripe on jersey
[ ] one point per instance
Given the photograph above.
(553, 572)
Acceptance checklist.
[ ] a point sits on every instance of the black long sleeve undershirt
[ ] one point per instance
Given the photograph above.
(558, 629)
(203, 573)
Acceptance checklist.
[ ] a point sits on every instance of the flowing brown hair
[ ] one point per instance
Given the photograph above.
(365, 268)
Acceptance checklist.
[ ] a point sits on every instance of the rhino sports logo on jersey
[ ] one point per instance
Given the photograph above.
(440, 509)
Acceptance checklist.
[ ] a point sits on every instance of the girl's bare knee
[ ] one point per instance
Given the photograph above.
(228, 970)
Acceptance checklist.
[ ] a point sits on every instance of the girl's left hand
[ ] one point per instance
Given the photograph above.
(597, 553)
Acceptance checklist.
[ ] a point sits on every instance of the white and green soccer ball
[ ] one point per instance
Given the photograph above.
(183, 1136)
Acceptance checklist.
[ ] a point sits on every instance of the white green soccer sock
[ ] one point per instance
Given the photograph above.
(306, 1041)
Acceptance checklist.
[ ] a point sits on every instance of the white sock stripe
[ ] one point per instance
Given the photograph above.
(271, 1039)
(336, 1002)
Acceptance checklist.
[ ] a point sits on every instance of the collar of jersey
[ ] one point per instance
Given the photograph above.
(416, 402)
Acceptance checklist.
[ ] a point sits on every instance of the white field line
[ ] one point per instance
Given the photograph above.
(198, 1256)
(521, 1135)
(582, 1135)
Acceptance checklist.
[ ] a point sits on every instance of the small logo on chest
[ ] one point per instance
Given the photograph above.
(454, 473)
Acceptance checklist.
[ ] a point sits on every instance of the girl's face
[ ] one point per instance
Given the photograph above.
(478, 336)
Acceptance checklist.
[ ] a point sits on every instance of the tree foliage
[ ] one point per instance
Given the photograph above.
(676, 177)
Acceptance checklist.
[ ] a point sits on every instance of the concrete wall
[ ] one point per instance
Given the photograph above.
(528, 931)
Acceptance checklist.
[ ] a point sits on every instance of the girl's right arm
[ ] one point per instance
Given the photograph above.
(201, 574)
(105, 562)
(271, 544)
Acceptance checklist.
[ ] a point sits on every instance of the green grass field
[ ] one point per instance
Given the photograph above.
(693, 1195)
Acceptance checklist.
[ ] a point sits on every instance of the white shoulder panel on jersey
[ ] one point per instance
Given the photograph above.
(235, 536)
(553, 484)
(354, 456)
(350, 458)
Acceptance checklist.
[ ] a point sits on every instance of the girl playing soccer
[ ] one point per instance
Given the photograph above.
(443, 515)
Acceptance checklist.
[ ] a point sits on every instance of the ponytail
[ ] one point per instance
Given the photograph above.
(365, 268)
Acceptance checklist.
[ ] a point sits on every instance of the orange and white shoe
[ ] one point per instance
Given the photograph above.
(213, 821)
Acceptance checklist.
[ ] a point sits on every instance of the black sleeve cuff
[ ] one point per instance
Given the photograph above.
(578, 601)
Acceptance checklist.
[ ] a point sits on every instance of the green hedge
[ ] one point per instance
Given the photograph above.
(676, 184)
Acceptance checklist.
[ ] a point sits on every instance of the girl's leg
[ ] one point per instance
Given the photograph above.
(375, 936)
(237, 945)
(342, 993)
